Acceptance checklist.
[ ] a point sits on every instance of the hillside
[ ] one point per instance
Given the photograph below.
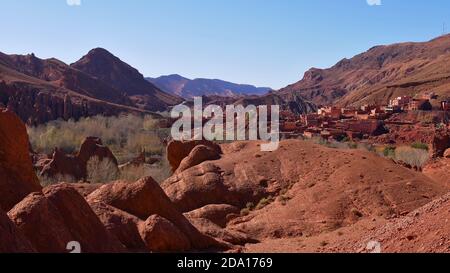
(381, 73)
(40, 90)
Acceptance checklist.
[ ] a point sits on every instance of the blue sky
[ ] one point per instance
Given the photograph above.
(262, 42)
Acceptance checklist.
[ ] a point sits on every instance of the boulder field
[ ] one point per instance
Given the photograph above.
(120, 216)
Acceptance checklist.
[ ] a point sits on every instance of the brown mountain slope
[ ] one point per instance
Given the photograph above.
(40, 90)
(59, 74)
(38, 101)
(381, 73)
(107, 68)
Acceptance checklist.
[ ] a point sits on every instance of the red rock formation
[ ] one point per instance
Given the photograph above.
(37, 105)
(298, 190)
(75, 165)
(61, 215)
(63, 164)
(198, 155)
(41, 222)
(12, 240)
(145, 198)
(17, 177)
(218, 214)
(178, 150)
(121, 224)
(93, 146)
(161, 235)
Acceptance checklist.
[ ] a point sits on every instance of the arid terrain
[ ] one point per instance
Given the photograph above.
(364, 161)
(232, 197)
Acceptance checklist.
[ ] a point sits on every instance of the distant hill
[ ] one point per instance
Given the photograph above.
(188, 88)
(381, 73)
(109, 69)
(40, 90)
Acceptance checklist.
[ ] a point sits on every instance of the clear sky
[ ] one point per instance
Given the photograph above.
(262, 42)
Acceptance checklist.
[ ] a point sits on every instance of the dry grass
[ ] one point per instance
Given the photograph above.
(101, 171)
(412, 156)
(59, 178)
(126, 135)
(160, 171)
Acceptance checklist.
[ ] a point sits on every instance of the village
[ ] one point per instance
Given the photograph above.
(353, 124)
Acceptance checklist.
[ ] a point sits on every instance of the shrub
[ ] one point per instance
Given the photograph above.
(159, 172)
(101, 171)
(414, 157)
(352, 145)
(125, 135)
(245, 212)
(264, 202)
(420, 145)
(389, 151)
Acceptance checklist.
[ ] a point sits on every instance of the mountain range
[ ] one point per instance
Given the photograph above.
(41, 90)
(381, 73)
(187, 88)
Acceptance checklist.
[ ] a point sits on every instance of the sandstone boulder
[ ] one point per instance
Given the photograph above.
(60, 216)
(12, 240)
(218, 214)
(121, 224)
(209, 183)
(76, 165)
(93, 146)
(178, 150)
(17, 177)
(231, 237)
(41, 222)
(145, 198)
(161, 235)
(62, 164)
(198, 155)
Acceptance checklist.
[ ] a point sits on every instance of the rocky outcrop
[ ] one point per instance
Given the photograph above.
(179, 150)
(218, 214)
(41, 222)
(17, 177)
(298, 189)
(93, 146)
(441, 142)
(36, 105)
(145, 198)
(122, 225)
(76, 165)
(198, 155)
(12, 240)
(59, 216)
(161, 235)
